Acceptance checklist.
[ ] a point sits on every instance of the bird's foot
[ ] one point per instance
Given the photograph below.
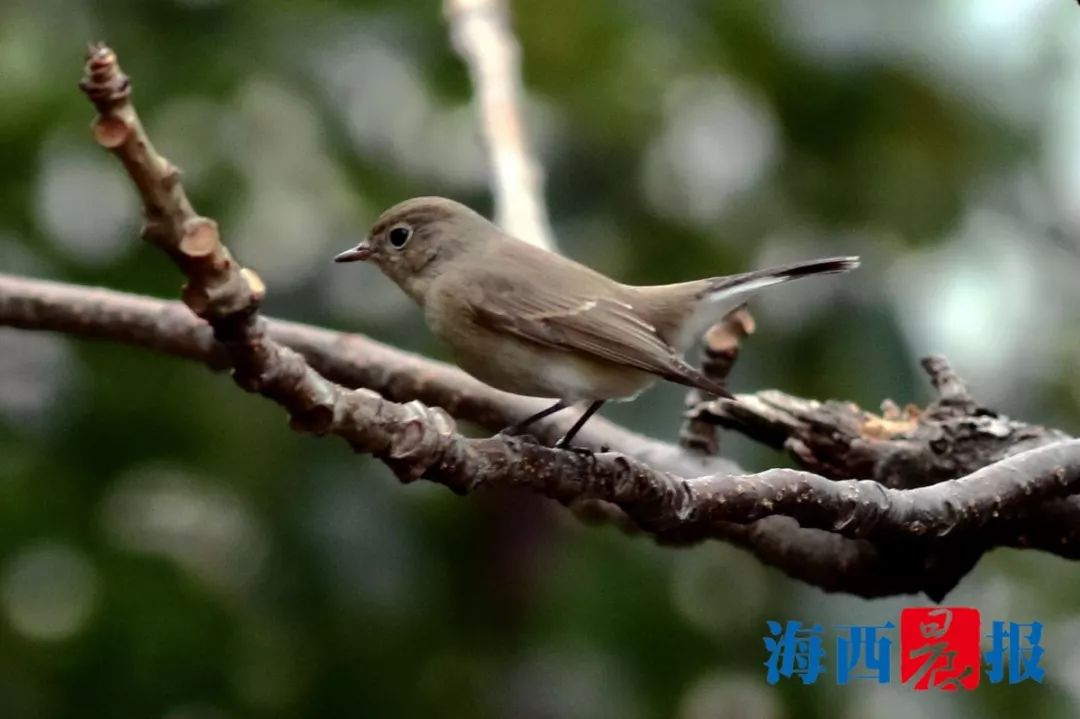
(583, 451)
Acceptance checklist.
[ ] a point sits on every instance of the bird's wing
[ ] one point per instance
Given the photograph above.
(592, 323)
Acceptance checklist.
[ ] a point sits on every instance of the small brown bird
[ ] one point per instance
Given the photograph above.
(533, 322)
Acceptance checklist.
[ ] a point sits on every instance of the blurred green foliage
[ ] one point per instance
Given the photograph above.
(169, 548)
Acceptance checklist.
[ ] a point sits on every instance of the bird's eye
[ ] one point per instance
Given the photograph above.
(399, 235)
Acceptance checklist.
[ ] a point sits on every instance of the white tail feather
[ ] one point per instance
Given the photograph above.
(733, 291)
(712, 308)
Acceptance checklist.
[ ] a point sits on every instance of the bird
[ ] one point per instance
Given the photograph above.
(533, 322)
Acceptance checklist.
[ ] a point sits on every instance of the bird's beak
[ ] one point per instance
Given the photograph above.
(358, 253)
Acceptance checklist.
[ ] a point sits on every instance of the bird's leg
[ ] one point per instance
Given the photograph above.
(567, 438)
(519, 427)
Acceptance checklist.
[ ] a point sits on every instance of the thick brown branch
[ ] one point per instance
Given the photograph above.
(908, 448)
(821, 558)
(480, 40)
(867, 569)
(824, 559)
(419, 442)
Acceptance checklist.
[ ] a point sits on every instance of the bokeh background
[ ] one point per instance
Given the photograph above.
(168, 548)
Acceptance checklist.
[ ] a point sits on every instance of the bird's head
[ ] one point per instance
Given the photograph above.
(413, 241)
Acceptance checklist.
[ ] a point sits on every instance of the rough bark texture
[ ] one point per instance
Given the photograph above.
(901, 448)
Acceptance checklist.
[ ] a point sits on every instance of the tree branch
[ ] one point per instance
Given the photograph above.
(416, 441)
(953, 436)
(827, 560)
(720, 350)
(913, 447)
(822, 558)
(350, 360)
(847, 532)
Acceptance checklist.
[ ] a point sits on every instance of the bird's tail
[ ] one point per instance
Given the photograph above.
(683, 311)
(738, 285)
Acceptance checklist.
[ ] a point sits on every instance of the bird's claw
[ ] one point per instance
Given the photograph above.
(561, 444)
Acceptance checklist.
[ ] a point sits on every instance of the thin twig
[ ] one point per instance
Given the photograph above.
(720, 350)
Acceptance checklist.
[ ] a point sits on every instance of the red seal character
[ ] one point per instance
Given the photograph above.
(939, 648)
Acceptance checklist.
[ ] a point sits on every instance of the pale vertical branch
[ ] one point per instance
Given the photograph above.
(481, 34)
